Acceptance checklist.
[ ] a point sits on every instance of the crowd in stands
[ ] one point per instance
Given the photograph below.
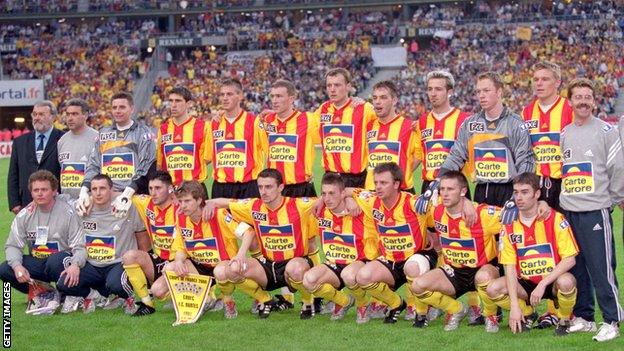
(64, 6)
(7, 134)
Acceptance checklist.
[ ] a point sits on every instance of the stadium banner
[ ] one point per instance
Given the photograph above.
(524, 33)
(171, 42)
(243, 57)
(7, 47)
(189, 295)
(21, 92)
(5, 149)
(384, 56)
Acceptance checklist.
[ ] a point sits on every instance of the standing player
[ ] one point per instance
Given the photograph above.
(143, 268)
(390, 137)
(204, 247)
(593, 164)
(238, 146)
(545, 117)
(282, 228)
(125, 152)
(468, 252)
(537, 255)
(74, 147)
(403, 241)
(107, 238)
(343, 129)
(348, 242)
(183, 147)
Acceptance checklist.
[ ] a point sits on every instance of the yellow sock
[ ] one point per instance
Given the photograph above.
(255, 253)
(439, 300)
(383, 293)
(505, 303)
(288, 295)
(139, 283)
(227, 288)
(360, 295)
(315, 257)
(440, 262)
(473, 298)
(551, 307)
(489, 306)
(566, 300)
(409, 296)
(254, 290)
(328, 292)
(306, 297)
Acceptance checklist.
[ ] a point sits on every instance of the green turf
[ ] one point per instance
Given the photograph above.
(113, 330)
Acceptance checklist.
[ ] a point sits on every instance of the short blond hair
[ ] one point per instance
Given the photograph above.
(550, 66)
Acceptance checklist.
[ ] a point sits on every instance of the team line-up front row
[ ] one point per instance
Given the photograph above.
(576, 158)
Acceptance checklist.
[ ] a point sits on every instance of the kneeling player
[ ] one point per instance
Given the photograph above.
(403, 241)
(348, 242)
(204, 247)
(537, 255)
(467, 252)
(145, 268)
(282, 227)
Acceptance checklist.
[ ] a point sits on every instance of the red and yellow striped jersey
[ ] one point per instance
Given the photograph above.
(396, 142)
(207, 243)
(436, 139)
(463, 246)
(343, 136)
(401, 231)
(159, 223)
(282, 233)
(536, 250)
(346, 238)
(183, 150)
(238, 149)
(291, 145)
(545, 130)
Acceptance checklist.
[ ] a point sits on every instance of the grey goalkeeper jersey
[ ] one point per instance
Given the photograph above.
(493, 151)
(123, 155)
(593, 166)
(45, 234)
(73, 155)
(107, 238)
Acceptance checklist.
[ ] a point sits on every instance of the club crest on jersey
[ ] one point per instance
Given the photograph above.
(378, 215)
(564, 224)
(90, 226)
(108, 136)
(259, 216)
(187, 233)
(326, 117)
(426, 133)
(64, 156)
(491, 210)
(166, 138)
(218, 134)
(476, 127)
(325, 223)
(442, 228)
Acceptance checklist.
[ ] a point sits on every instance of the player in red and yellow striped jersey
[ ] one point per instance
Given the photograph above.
(343, 129)
(292, 135)
(468, 252)
(145, 268)
(204, 247)
(537, 255)
(391, 137)
(348, 242)
(183, 147)
(239, 146)
(282, 227)
(437, 129)
(403, 245)
(545, 117)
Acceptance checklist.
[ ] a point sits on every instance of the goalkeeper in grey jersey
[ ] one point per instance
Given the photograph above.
(107, 238)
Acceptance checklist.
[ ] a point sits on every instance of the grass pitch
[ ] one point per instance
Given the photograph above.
(113, 330)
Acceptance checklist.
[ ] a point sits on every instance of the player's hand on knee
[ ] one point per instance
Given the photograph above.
(21, 274)
(537, 294)
(72, 275)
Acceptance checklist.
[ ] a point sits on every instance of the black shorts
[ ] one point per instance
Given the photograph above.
(158, 264)
(529, 286)
(276, 272)
(550, 191)
(245, 190)
(493, 194)
(396, 268)
(425, 186)
(462, 279)
(203, 269)
(337, 269)
(352, 180)
(299, 190)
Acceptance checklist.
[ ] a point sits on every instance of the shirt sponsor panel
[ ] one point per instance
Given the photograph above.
(119, 166)
(491, 164)
(546, 147)
(578, 178)
(231, 153)
(382, 152)
(72, 175)
(100, 248)
(338, 138)
(179, 156)
(283, 147)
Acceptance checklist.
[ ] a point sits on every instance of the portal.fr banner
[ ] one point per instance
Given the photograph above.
(21, 92)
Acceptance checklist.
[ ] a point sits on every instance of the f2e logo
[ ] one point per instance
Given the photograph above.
(324, 222)
(218, 134)
(426, 133)
(532, 124)
(476, 127)
(90, 226)
(186, 233)
(442, 228)
(259, 216)
(110, 136)
(166, 138)
(326, 118)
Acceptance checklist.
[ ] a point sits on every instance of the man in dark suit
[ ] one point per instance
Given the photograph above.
(32, 152)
